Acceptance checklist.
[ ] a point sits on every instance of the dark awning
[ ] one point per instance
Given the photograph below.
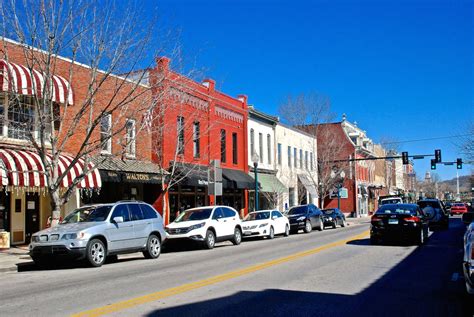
(237, 179)
(129, 171)
(191, 174)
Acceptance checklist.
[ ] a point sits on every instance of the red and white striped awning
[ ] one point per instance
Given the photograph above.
(25, 169)
(25, 81)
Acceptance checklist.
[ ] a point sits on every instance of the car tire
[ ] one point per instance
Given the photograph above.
(96, 252)
(321, 226)
(237, 236)
(334, 225)
(271, 234)
(374, 241)
(153, 247)
(210, 240)
(287, 231)
(420, 240)
(308, 227)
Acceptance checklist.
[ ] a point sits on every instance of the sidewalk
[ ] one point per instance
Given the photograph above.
(9, 258)
(357, 221)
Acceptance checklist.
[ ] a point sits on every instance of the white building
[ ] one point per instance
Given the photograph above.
(295, 162)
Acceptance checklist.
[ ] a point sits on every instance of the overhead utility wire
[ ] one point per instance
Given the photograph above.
(429, 139)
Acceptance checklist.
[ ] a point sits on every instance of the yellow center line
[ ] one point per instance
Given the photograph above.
(209, 281)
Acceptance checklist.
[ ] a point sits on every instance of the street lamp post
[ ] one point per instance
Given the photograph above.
(255, 159)
(339, 185)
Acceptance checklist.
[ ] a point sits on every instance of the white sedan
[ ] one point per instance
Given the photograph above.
(265, 223)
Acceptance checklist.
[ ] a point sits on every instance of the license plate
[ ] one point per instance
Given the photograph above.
(393, 221)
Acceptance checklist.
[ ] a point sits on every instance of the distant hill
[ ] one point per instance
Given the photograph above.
(465, 183)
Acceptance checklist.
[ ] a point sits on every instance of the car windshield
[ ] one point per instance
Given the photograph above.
(390, 201)
(329, 211)
(426, 204)
(396, 209)
(298, 210)
(194, 214)
(257, 216)
(459, 205)
(88, 214)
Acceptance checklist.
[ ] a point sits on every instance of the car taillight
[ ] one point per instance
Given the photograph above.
(375, 218)
(412, 219)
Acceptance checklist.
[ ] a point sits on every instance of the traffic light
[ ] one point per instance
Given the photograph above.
(405, 158)
(459, 163)
(433, 164)
(438, 156)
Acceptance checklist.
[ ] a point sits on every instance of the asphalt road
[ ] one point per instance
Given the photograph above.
(331, 273)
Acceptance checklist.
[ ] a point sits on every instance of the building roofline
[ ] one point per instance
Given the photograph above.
(261, 115)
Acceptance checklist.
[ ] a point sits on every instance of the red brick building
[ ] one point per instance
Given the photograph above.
(195, 124)
(359, 178)
(127, 172)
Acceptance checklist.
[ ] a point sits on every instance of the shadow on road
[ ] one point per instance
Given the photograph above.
(420, 285)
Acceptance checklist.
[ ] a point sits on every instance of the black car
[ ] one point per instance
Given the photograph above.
(305, 217)
(399, 222)
(334, 217)
(435, 212)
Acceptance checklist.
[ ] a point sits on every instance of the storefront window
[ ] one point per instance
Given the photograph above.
(21, 118)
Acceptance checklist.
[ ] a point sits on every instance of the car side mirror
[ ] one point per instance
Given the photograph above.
(467, 218)
(118, 219)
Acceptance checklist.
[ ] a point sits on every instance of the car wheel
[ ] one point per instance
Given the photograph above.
(421, 238)
(96, 252)
(287, 231)
(237, 236)
(308, 227)
(334, 224)
(153, 247)
(321, 226)
(210, 240)
(374, 241)
(271, 235)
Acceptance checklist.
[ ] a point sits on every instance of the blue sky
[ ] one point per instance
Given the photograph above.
(401, 69)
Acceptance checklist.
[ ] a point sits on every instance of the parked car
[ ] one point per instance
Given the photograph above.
(265, 223)
(209, 224)
(435, 212)
(97, 231)
(458, 208)
(333, 217)
(305, 217)
(399, 222)
(468, 259)
(391, 200)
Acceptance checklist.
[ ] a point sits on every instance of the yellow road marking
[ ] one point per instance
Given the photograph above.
(209, 281)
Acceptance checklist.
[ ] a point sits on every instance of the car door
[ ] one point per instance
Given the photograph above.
(230, 220)
(217, 222)
(120, 235)
(140, 225)
(279, 222)
(313, 216)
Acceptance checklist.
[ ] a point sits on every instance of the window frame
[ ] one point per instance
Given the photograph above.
(131, 145)
(279, 153)
(260, 146)
(269, 148)
(223, 138)
(180, 135)
(106, 134)
(235, 153)
(196, 139)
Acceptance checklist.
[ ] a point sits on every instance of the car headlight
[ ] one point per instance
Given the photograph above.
(330, 218)
(301, 218)
(73, 236)
(35, 239)
(263, 225)
(194, 227)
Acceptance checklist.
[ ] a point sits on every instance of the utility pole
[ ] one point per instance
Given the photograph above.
(458, 197)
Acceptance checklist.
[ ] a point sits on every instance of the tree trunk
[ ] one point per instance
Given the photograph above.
(56, 207)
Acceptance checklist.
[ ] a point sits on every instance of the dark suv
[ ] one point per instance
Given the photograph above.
(305, 217)
(435, 212)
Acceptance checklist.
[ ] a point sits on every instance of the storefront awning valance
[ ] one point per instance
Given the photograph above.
(238, 179)
(269, 183)
(130, 171)
(23, 80)
(25, 169)
(308, 184)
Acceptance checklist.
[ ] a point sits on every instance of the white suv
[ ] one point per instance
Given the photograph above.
(208, 224)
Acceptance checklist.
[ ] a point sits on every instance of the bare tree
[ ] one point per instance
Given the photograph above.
(466, 144)
(312, 114)
(96, 37)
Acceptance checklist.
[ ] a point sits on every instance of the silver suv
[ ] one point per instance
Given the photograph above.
(96, 231)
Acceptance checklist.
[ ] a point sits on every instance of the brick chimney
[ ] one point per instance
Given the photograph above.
(163, 63)
(243, 99)
(209, 83)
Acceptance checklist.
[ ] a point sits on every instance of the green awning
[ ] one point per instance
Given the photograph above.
(269, 183)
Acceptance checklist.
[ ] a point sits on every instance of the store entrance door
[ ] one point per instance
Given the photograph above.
(31, 216)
